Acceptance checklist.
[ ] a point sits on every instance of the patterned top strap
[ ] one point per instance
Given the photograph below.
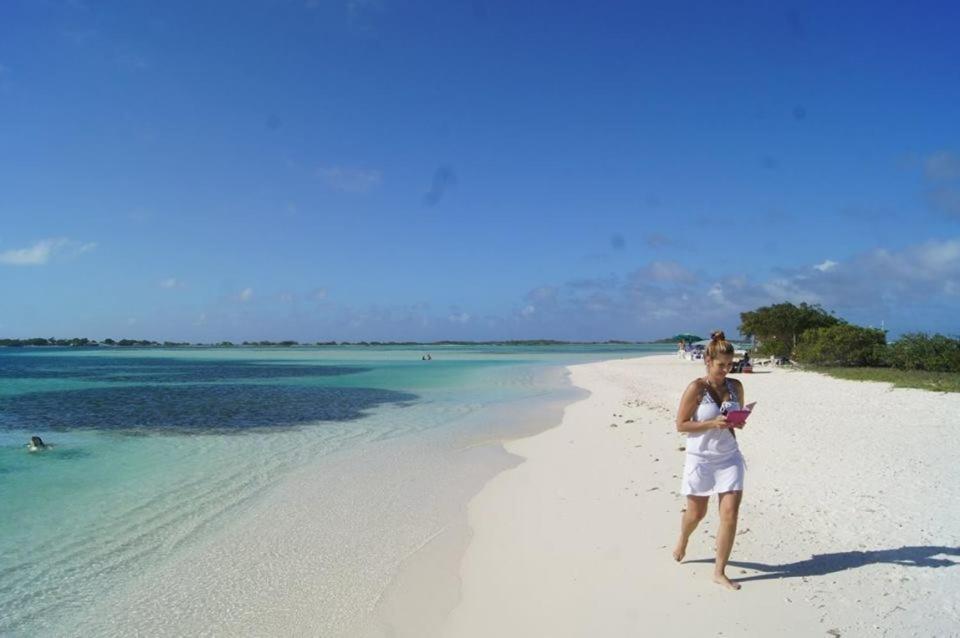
(732, 391)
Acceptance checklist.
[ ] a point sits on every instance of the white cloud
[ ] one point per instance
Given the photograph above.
(171, 282)
(350, 180)
(35, 255)
(876, 283)
(286, 297)
(717, 295)
(939, 256)
(246, 294)
(461, 317)
(42, 251)
(320, 294)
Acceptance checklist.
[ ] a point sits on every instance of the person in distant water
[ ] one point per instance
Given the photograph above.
(714, 464)
(36, 444)
(429, 358)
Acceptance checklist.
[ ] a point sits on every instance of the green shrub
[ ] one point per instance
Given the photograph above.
(842, 345)
(919, 351)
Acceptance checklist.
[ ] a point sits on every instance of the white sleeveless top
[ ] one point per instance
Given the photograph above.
(717, 443)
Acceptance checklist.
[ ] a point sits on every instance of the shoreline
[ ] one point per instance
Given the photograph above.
(425, 588)
(316, 553)
(576, 539)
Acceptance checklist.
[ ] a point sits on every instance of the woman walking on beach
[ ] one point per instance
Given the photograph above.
(714, 464)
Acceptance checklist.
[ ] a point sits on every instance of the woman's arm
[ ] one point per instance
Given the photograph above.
(688, 409)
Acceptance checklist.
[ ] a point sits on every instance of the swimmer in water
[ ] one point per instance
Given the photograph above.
(36, 444)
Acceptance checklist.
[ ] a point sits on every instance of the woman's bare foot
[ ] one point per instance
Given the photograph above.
(721, 579)
(680, 552)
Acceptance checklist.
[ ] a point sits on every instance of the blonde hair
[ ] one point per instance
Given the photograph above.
(718, 345)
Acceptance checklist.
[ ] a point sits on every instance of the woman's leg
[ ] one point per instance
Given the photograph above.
(696, 510)
(729, 510)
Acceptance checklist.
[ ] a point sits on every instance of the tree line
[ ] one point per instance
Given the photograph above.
(809, 334)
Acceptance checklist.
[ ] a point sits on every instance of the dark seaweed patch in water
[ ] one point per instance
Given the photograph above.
(158, 370)
(191, 408)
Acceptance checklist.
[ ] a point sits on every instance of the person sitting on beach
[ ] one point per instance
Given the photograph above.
(36, 444)
(713, 464)
(744, 362)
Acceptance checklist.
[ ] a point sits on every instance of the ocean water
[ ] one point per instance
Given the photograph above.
(157, 451)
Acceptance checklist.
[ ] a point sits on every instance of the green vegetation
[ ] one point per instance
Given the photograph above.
(917, 351)
(268, 344)
(83, 342)
(936, 381)
(813, 337)
(40, 341)
(842, 345)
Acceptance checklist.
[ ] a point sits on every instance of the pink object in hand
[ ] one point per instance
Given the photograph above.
(737, 417)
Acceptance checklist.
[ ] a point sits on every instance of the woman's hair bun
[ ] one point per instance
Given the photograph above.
(718, 345)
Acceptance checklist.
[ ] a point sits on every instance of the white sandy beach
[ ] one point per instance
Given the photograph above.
(849, 523)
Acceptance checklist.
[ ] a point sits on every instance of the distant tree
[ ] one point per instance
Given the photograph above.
(778, 327)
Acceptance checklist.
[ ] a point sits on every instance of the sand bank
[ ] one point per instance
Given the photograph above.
(849, 523)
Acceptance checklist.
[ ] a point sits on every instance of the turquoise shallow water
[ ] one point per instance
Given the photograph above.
(154, 449)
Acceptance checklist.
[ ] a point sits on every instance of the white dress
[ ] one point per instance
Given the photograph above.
(714, 463)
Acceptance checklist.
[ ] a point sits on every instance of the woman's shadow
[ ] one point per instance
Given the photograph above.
(822, 564)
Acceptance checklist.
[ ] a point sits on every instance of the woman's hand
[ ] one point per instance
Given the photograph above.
(719, 423)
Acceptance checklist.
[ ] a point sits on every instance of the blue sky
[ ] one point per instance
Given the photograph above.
(375, 169)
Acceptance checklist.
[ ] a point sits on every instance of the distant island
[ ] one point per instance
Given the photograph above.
(83, 342)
